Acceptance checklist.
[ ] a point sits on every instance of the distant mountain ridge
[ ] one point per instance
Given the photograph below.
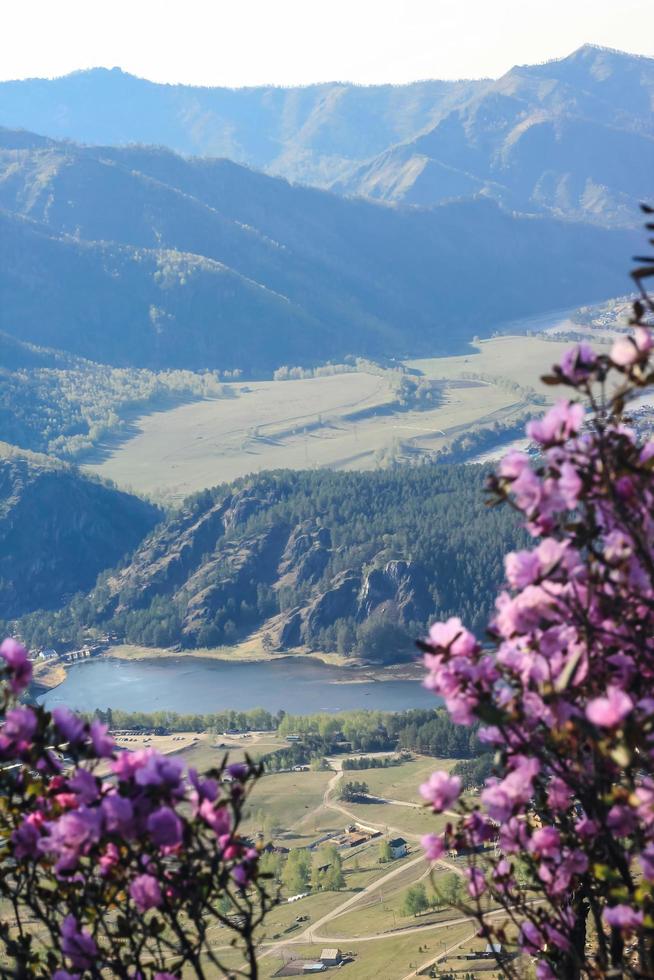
(139, 257)
(573, 137)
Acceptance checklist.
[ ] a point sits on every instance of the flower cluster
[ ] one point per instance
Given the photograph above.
(120, 861)
(562, 834)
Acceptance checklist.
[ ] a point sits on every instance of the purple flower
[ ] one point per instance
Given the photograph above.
(26, 839)
(103, 744)
(531, 938)
(165, 827)
(118, 814)
(441, 790)
(623, 917)
(18, 730)
(433, 846)
(71, 727)
(71, 836)
(165, 976)
(578, 362)
(609, 711)
(64, 975)
(205, 789)
(15, 656)
(238, 771)
(158, 770)
(242, 874)
(476, 882)
(77, 944)
(85, 785)
(146, 893)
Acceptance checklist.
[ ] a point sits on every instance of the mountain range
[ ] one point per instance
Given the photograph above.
(137, 256)
(572, 137)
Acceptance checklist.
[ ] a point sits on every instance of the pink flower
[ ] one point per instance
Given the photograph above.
(627, 350)
(623, 917)
(562, 421)
(570, 485)
(20, 669)
(216, 817)
(109, 859)
(624, 352)
(145, 892)
(522, 568)
(433, 846)
(513, 464)
(546, 841)
(452, 635)
(609, 711)
(441, 790)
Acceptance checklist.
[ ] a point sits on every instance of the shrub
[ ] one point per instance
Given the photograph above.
(116, 862)
(565, 695)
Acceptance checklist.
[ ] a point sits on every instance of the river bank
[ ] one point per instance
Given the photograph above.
(251, 652)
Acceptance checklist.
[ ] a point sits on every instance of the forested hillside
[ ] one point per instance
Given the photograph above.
(355, 562)
(58, 530)
(137, 257)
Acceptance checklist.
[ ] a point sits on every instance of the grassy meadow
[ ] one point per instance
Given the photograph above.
(343, 421)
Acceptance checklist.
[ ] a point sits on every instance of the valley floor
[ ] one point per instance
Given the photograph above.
(343, 421)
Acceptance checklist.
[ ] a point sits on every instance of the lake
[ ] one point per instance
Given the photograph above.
(193, 685)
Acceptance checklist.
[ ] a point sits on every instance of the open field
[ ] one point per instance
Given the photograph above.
(400, 782)
(513, 359)
(341, 422)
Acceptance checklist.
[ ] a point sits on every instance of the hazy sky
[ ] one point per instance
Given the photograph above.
(250, 42)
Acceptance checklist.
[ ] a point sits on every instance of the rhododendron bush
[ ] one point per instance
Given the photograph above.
(116, 863)
(561, 836)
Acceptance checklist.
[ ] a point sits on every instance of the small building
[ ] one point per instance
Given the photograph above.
(313, 968)
(398, 847)
(331, 957)
(494, 949)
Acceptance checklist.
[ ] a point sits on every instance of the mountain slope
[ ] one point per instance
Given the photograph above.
(58, 530)
(139, 257)
(573, 137)
(316, 559)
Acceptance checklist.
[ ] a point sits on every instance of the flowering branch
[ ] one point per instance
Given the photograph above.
(562, 836)
(117, 862)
